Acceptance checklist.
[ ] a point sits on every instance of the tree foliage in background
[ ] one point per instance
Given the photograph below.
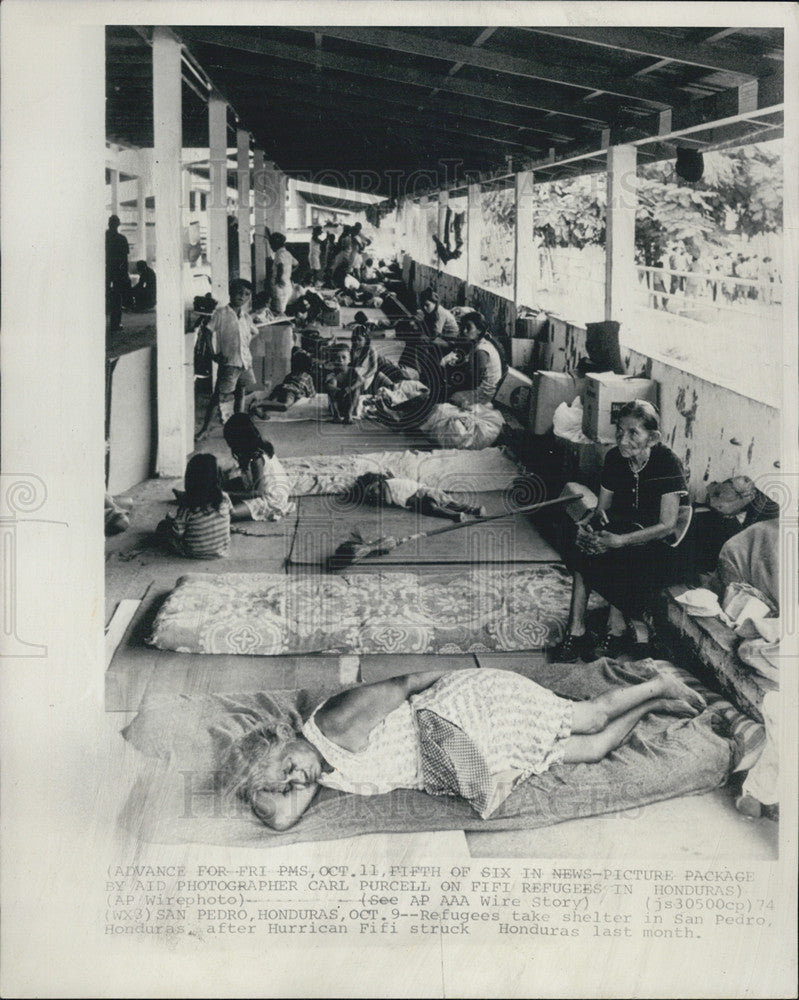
(740, 194)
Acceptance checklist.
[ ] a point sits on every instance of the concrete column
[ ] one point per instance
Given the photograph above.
(217, 197)
(259, 220)
(620, 279)
(243, 175)
(167, 141)
(474, 229)
(524, 262)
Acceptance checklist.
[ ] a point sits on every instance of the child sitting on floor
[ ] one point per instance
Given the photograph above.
(374, 487)
(298, 384)
(343, 385)
(201, 527)
(262, 487)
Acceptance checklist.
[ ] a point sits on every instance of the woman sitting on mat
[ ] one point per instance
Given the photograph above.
(408, 493)
(264, 489)
(200, 529)
(373, 738)
(475, 377)
(620, 546)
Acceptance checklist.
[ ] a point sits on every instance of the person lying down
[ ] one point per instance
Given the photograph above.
(474, 733)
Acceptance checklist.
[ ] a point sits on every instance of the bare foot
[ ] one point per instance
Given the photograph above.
(673, 688)
(674, 706)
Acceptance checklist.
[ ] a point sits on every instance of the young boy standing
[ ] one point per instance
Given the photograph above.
(231, 329)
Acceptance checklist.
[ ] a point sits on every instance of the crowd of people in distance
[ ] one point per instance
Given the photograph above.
(121, 294)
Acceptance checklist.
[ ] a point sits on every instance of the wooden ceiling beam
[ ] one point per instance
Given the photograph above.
(458, 120)
(451, 105)
(349, 116)
(639, 41)
(498, 91)
(582, 77)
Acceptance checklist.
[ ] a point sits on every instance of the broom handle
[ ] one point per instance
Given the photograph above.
(491, 517)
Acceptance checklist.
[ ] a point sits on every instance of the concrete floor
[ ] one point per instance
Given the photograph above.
(694, 827)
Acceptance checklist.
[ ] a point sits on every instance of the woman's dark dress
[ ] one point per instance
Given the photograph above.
(629, 578)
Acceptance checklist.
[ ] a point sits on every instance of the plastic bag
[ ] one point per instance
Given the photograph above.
(452, 427)
(567, 422)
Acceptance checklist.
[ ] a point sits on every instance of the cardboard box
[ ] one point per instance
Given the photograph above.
(549, 390)
(605, 394)
(583, 460)
(521, 352)
(514, 392)
(530, 327)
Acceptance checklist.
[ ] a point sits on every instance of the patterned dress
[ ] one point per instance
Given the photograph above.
(513, 724)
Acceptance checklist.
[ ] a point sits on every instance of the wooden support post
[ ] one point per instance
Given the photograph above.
(443, 205)
(620, 278)
(474, 231)
(167, 141)
(114, 192)
(525, 263)
(275, 190)
(259, 220)
(141, 218)
(217, 197)
(243, 175)
(424, 228)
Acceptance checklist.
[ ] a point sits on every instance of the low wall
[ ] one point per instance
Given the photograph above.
(717, 433)
(132, 431)
(498, 311)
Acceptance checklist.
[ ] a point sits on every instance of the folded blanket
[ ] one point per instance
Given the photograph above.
(180, 800)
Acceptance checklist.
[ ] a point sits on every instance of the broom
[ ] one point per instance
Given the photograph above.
(357, 548)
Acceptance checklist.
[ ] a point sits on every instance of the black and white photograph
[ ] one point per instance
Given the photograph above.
(399, 499)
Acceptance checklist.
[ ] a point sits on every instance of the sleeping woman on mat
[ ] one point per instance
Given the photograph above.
(472, 733)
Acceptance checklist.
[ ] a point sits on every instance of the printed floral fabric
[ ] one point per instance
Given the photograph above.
(268, 614)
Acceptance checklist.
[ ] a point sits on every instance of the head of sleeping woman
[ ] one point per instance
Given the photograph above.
(271, 758)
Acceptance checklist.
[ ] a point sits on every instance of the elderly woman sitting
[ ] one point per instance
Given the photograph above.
(643, 502)
(493, 727)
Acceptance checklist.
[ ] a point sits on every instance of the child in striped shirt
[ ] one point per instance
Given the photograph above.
(201, 527)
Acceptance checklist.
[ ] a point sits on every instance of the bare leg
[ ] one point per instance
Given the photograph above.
(596, 715)
(617, 623)
(578, 606)
(590, 749)
(213, 402)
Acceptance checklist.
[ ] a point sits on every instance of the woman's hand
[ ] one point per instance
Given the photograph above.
(594, 543)
(604, 540)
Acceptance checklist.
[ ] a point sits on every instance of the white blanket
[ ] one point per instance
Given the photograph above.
(447, 469)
